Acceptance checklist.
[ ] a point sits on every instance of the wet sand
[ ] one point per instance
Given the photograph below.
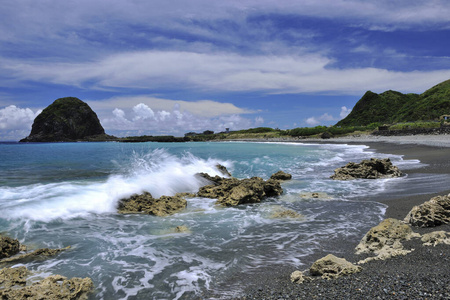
(422, 274)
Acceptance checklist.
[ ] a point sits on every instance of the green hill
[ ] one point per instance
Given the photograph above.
(394, 107)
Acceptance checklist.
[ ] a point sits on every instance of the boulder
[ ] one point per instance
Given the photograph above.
(384, 240)
(368, 169)
(331, 266)
(280, 175)
(8, 247)
(279, 212)
(233, 191)
(66, 119)
(431, 213)
(146, 204)
(14, 283)
(435, 238)
(298, 277)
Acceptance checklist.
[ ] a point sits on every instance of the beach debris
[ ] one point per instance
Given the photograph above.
(330, 267)
(8, 246)
(298, 277)
(374, 168)
(233, 191)
(279, 212)
(384, 240)
(435, 238)
(146, 204)
(280, 175)
(14, 285)
(431, 213)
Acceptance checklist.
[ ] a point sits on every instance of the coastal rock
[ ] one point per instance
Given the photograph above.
(431, 213)
(331, 266)
(223, 170)
(384, 240)
(233, 191)
(39, 253)
(316, 195)
(298, 277)
(436, 238)
(13, 281)
(66, 119)
(8, 246)
(280, 175)
(368, 169)
(146, 204)
(279, 212)
(182, 229)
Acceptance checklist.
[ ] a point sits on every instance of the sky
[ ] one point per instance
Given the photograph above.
(171, 67)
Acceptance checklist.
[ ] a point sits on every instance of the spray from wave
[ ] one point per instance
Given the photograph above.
(157, 172)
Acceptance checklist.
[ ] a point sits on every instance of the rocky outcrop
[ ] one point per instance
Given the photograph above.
(146, 204)
(14, 286)
(66, 119)
(331, 266)
(434, 212)
(39, 253)
(233, 191)
(435, 238)
(8, 247)
(385, 240)
(279, 212)
(368, 169)
(280, 175)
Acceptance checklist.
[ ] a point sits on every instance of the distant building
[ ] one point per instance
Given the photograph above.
(444, 117)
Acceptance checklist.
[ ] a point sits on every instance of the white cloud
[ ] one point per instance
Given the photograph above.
(138, 121)
(15, 122)
(152, 70)
(314, 121)
(344, 112)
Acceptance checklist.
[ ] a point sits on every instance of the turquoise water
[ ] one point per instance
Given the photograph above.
(61, 194)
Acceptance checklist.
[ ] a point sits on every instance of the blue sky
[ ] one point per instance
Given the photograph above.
(170, 67)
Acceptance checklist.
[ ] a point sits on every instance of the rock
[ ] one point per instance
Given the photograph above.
(223, 170)
(431, 213)
(331, 266)
(436, 238)
(44, 252)
(368, 169)
(326, 135)
(284, 213)
(280, 175)
(298, 277)
(8, 246)
(66, 119)
(316, 195)
(232, 191)
(182, 229)
(384, 240)
(146, 204)
(53, 287)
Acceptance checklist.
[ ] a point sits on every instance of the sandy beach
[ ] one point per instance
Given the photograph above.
(422, 274)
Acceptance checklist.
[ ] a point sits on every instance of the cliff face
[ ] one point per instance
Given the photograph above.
(66, 119)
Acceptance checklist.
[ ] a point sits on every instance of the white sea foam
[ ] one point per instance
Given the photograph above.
(156, 172)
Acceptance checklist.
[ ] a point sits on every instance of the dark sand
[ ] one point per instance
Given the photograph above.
(422, 274)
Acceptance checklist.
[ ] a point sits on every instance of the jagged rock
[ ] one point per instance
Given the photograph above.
(13, 277)
(315, 195)
(384, 240)
(146, 204)
(298, 277)
(223, 170)
(331, 266)
(368, 169)
(13, 281)
(431, 213)
(8, 246)
(436, 238)
(280, 175)
(66, 119)
(232, 191)
(35, 254)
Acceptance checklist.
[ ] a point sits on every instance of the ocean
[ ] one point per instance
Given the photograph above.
(65, 194)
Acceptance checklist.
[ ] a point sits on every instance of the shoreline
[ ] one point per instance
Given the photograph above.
(422, 274)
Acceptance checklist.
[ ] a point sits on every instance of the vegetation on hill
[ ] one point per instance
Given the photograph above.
(394, 107)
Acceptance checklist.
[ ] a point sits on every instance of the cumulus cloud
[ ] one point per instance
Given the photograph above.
(15, 122)
(344, 112)
(314, 121)
(141, 119)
